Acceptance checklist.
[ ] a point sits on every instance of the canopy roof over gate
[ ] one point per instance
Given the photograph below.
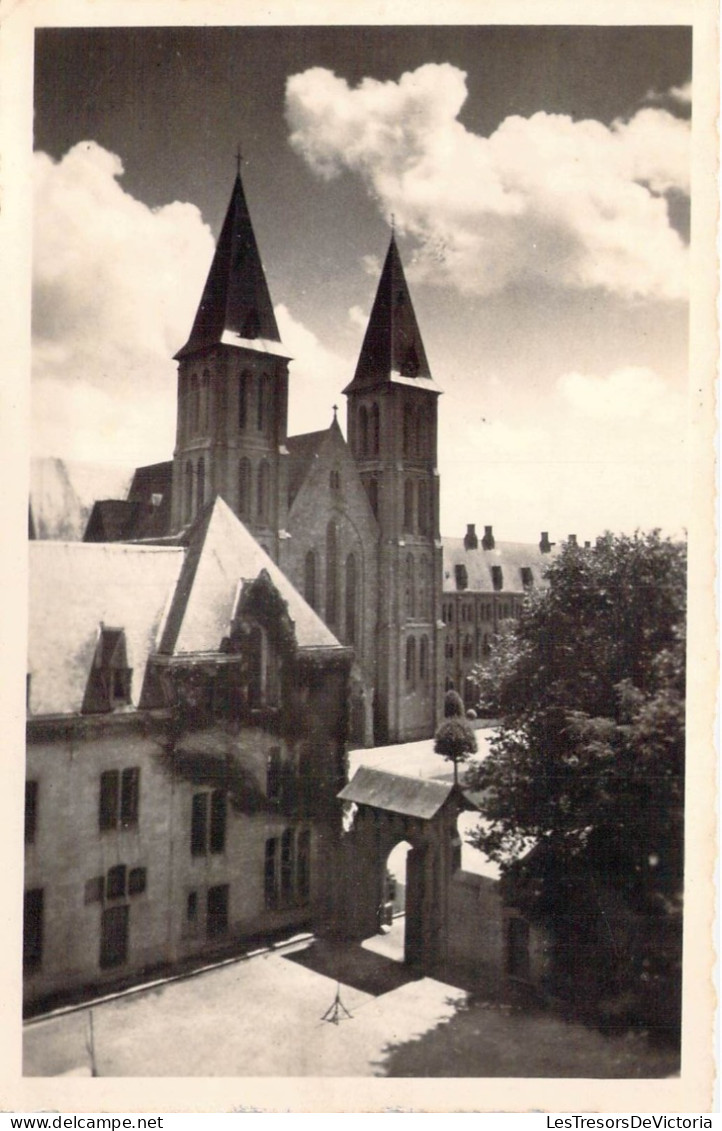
(397, 793)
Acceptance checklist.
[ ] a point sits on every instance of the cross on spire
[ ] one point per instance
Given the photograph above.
(239, 159)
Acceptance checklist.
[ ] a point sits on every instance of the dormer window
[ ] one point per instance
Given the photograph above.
(110, 677)
(527, 578)
(497, 578)
(461, 577)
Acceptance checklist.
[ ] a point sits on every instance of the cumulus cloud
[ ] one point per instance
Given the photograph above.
(606, 451)
(115, 288)
(358, 317)
(316, 375)
(575, 204)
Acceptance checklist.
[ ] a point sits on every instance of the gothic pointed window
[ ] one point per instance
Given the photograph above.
(375, 425)
(363, 429)
(423, 507)
(264, 490)
(331, 574)
(194, 405)
(309, 578)
(243, 383)
(409, 506)
(244, 488)
(424, 610)
(409, 587)
(372, 487)
(200, 485)
(261, 405)
(188, 508)
(205, 400)
(411, 663)
(424, 660)
(351, 599)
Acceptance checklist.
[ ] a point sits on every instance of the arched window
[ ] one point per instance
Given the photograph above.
(261, 405)
(264, 479)
(423, 509)
(468, 649)
(243, 383)
(410, 596)
(375, 429)
(194, 405)
(331, 574)
(200, 485)
(374, 495)
(424, 660)
(189, 492)
(411, 662)
(424, 610)
(205, 400)
(309, 578)
(351, 599)
(244, 488)
(363, 430)
(409, 505)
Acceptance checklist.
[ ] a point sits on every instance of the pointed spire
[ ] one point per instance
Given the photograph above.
(392, 347)
(235, 303)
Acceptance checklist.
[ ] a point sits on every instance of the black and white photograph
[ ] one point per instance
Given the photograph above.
(366, 504)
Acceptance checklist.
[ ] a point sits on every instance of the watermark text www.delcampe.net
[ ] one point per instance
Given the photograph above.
(86, 1122)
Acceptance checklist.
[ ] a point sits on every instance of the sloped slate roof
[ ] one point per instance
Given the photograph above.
(73, 587)
(511, 556)
(392, 348)
(412, 797)
(235, 306)
(222, 553)
(302, 451)
(110, 520)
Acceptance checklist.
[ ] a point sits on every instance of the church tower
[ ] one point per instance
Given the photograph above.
(392, 431)
(233, 391)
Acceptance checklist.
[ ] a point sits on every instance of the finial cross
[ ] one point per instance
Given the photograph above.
(239, 158)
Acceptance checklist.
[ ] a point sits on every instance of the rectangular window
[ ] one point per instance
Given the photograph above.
(199, 824)
(32, 929)
(129, 794)
(287, 866)
(31, 811)
(137, 880)
(218, 821)
(109, 794)
(115, 882)
(119, 798)
(114, 936)
(217, 911)
(269, 878)
(208, 823)
(304, 866)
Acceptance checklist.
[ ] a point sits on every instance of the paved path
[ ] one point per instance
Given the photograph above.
(258, 1017)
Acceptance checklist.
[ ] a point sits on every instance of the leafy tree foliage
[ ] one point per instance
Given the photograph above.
(588, 763)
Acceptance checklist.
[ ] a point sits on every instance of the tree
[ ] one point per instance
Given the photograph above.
(455, 739)
(588, 763)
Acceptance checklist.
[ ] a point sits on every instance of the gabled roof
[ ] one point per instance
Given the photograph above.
(235, 306)
(392, 349)
(511, 557)
(412, 797)
(74, 588)
(302, 451)
(221, 554)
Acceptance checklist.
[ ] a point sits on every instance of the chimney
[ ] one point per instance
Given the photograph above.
(545, 545)
(488, 539)
(471, 542)
(572, 539)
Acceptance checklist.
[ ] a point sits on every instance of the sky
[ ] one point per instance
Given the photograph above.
(538, 180)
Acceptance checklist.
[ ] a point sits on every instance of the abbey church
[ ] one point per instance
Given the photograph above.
(204, 650)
